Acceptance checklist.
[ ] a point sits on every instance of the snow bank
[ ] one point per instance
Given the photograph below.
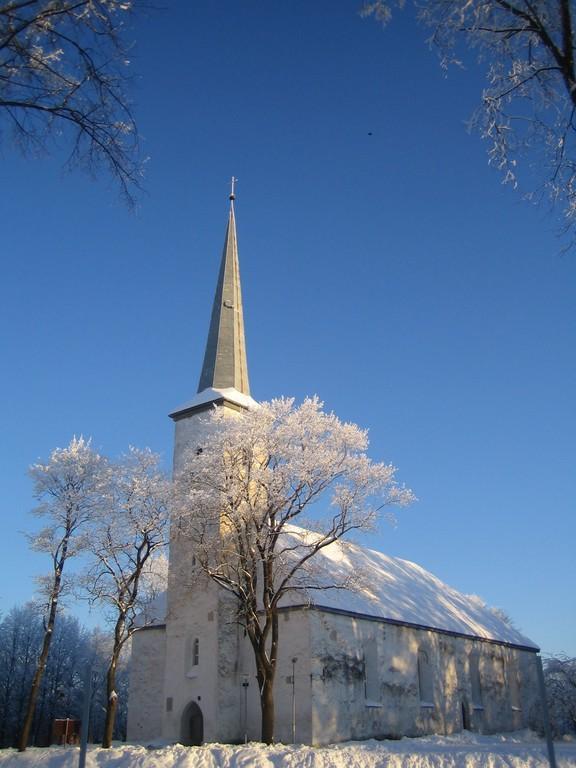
(517, 750)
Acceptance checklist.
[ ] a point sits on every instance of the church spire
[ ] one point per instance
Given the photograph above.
(225, 362)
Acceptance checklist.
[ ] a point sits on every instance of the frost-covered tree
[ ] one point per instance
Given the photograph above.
(72, 650)
(68, 488)
(527, 110)
(560, 679)
(239, 498)
(20, 642)
(127, 568)
(63, 69)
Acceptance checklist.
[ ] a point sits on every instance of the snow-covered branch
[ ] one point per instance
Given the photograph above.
(527, 108)
(237, 502)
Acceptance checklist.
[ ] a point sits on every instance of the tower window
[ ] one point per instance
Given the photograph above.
(192, 656)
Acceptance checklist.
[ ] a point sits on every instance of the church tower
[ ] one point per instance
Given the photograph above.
(201, 686)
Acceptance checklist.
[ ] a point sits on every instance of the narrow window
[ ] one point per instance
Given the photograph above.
(513, 687)
(425, 679)
(371, 681)
(192, 656)
(474, 662)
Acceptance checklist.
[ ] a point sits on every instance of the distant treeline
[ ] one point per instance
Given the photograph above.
(73, 650)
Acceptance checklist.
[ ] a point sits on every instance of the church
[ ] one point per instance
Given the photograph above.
(407, 656)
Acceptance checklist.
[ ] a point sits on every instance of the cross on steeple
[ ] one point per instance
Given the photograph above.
(232, 182)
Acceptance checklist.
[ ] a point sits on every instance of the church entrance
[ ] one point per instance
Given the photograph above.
(192, 726)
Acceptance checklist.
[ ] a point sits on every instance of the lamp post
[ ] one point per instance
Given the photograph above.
(85, 717)
(294, 660)
(545, 713)
(245, 685)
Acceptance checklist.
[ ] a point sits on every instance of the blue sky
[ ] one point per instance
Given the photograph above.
(391, 274)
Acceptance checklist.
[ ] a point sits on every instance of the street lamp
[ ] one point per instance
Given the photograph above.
(245, 685)
(294, 660)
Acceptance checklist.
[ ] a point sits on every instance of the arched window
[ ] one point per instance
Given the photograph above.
(371, 678)
(513, 686)
(474, 665)
(425, 679)
(192, 656)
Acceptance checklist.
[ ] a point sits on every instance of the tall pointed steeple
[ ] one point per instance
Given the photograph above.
(224, 376)
(225, 362)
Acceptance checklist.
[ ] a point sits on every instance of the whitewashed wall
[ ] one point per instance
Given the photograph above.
(341, 709)
(146, 692)
(294, 642)
(196, 608)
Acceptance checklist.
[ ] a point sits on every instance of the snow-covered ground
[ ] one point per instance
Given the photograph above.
(466, 750)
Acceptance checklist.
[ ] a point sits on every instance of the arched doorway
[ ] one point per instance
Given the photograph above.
(192, 726)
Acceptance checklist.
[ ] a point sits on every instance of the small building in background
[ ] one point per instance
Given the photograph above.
(66, 731)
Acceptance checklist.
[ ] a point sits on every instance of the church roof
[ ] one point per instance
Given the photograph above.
(225, 364)
(399, 591)
(393, 590)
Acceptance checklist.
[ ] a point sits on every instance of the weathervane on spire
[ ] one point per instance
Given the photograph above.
(232, 195)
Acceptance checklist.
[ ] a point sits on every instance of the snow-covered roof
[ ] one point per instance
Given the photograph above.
(211, 395)
(398, 590)
(387, 588)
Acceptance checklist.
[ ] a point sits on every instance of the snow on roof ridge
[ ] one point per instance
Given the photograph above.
(213, 394)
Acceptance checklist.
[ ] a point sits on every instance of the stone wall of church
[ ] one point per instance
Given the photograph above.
(201, 668)
(372, 679)
(201, 634)
(145, 695)
(292, 693)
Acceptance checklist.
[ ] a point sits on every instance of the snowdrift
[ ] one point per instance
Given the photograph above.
(466, 750)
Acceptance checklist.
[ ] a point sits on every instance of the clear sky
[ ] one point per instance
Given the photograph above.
(384, 268)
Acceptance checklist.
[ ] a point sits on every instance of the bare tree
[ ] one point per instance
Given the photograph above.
(63, 69)
(240, 496)
(67, 486)
(62, 689)
(127, 570)
(528, 106)
(20, 641)
(560, 678)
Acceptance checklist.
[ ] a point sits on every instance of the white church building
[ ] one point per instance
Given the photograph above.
(406, 656)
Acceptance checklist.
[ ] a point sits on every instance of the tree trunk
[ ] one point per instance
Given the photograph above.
(111, 702)
(36, 680)
(267, 708)
(41, 665)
